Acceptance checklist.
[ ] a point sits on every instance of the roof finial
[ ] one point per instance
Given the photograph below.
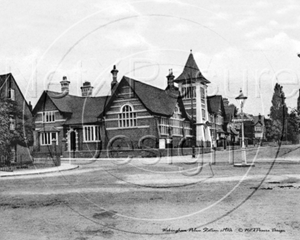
(191, 51)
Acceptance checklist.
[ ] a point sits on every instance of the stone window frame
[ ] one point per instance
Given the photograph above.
(91, 133)
(49, 116)
(47, 137)
(127, 116)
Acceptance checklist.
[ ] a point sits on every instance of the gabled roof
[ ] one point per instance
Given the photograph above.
(191, 72)
(156, 100)
(3, 79)
(259, 119)
(83, 109)
(6, 77)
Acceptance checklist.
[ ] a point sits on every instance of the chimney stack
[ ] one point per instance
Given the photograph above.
(114, 82)
(65, 84)
(86, 89)
(170, 78)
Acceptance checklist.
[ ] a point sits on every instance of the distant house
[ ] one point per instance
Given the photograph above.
(10, 89)
(259, 128)
(217, 119)
(230, 126)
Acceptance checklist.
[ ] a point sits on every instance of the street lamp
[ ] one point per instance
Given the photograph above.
(242, 98)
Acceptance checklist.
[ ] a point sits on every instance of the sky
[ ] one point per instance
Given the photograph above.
(237, 44)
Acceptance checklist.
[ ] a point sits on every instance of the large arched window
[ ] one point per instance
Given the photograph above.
(127, 118)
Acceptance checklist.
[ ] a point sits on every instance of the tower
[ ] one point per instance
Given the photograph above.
(193, 89)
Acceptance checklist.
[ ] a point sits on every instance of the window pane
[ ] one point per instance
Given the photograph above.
(127, 118)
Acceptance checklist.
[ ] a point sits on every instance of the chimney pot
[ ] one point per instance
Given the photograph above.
(65, 84)
(170, 78)
(86, 89)
(114, 82)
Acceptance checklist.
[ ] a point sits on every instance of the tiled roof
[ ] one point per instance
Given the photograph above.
(191, 72)
(156, 100)
(62, 102)
(3, 79)
(83, 109)
(230, 109)
(87, 109)
(7, 76)
(214, 103)
(256, 119)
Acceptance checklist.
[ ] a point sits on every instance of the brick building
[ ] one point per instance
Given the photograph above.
(71, 122)
(10, 90)
(217, 117)
(193, 90)
(135, 115)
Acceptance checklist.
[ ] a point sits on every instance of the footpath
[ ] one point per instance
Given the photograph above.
(37, 171)
(254, 155)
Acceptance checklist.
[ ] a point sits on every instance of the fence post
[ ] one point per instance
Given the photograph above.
(55, 155)
(63, 145)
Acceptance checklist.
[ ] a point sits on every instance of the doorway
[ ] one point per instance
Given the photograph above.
(73, 141)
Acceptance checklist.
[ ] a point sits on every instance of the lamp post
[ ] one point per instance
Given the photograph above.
(242, 98)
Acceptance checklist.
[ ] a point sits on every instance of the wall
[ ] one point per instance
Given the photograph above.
(136, 153)
(40, 125)
(146, 124)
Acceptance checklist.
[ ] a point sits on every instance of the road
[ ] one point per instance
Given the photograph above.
(139, 200)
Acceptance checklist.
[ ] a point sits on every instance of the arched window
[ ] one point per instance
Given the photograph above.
(127, 118)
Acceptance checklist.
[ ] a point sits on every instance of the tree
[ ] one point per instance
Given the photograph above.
(278, 115)
(21, 133)
(274, 130)
(5, 134)
(293, 127)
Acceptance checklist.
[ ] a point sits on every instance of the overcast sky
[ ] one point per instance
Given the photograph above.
(236, 44)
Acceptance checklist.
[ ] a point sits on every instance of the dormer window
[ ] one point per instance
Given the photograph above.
(49, 116)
